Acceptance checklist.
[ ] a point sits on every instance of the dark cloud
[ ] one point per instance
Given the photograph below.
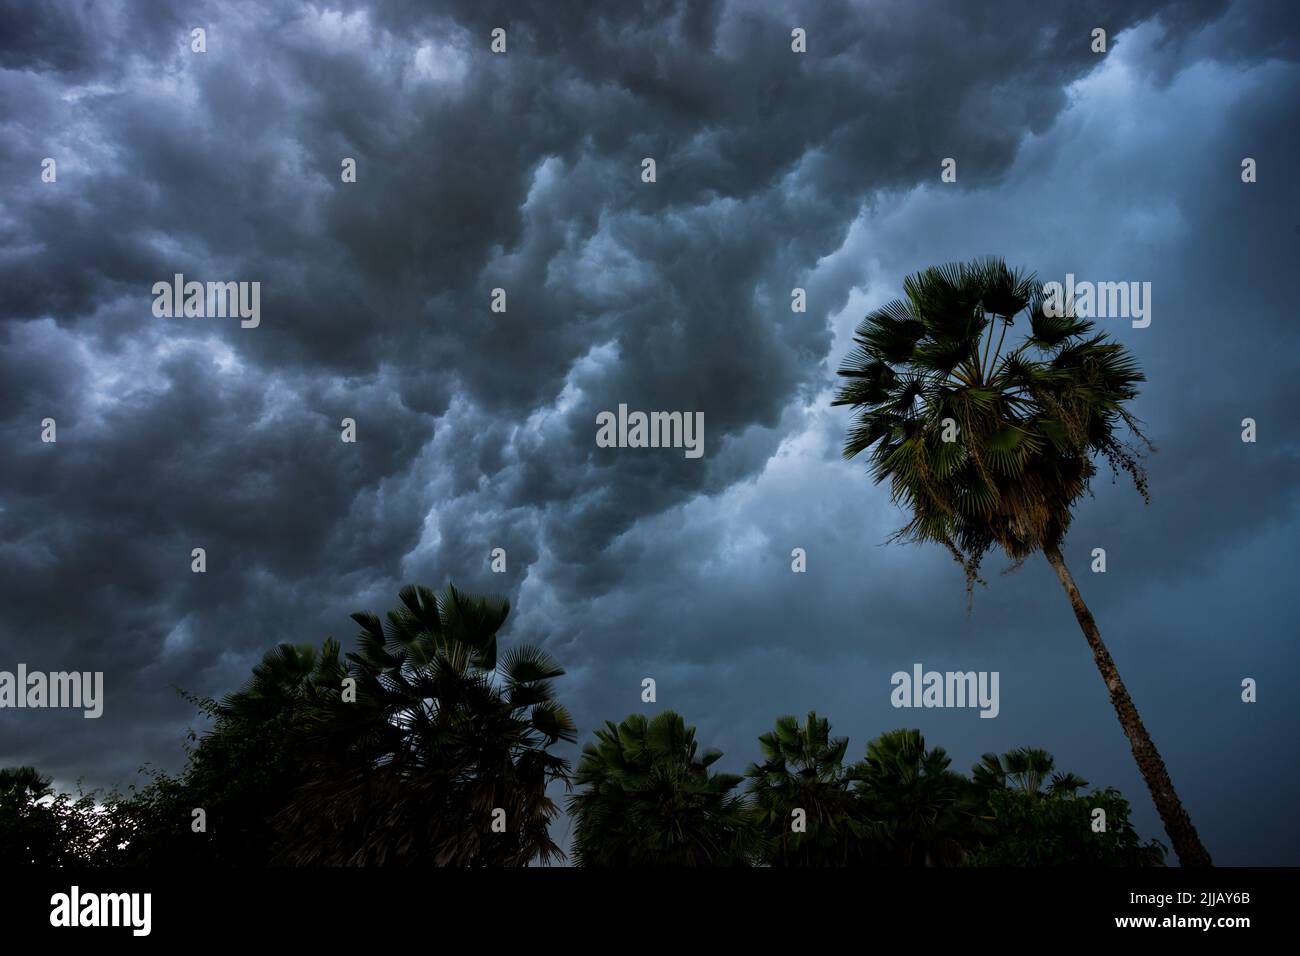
(521, 172)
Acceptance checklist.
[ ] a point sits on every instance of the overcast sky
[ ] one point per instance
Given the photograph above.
(476, 429)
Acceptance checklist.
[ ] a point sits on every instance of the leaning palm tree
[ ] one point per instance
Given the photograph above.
(987, 449)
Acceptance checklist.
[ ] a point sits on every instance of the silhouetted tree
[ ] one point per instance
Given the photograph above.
(803, 770)
(920, 812)
(648, 798)
(445, 756)
(990, 450)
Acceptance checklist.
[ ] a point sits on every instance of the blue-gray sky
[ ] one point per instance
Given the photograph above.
(476, 429)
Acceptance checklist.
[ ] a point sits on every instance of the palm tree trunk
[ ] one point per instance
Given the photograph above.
(1188, 846)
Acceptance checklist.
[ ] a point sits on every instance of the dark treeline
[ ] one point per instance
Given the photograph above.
(427, 746)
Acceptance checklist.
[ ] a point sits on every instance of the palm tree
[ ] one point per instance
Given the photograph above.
(920, 811)
(25, 784)
(1034, 815)
(443, 757)
(803, 768)
(1026, 770)
(651, 800)
(289, 676)
(991, 450)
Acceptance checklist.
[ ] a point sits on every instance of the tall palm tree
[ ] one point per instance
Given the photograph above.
(993, 450)
(803, 768)
(921, 812)
(648, 798)
(444, 756)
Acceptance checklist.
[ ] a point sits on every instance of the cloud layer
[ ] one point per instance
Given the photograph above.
(476, 429)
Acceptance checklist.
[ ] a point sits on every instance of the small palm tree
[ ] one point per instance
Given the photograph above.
(803, 769)
(648, 798)
(291, 675)
(920, 812)
(988, 450)
(1025, 769)
(25, 783)
(39, 827)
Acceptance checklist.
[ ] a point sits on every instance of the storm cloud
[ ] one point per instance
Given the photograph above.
(522, 171)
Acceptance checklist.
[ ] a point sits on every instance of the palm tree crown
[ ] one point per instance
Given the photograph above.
(984, 447)
(446, 735)
(650, 798)
(1026, 770)
(803, 769)
(918, 806)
